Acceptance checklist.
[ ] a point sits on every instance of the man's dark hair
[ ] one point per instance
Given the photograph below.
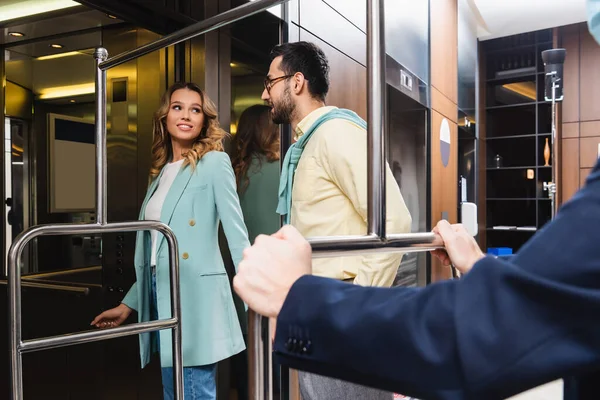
(308, 59)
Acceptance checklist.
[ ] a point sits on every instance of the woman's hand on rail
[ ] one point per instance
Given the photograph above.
(113, 317)
(461, 249)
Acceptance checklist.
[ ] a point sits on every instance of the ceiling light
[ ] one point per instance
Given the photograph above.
(56, 46)
(67, 91)
(59, 55)
(26, 8)
(111, 16)
(16, 34)
(72, 101)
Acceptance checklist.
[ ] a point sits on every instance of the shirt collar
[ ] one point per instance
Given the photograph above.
(310, 119)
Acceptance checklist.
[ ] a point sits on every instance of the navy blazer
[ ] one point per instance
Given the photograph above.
(505, 327)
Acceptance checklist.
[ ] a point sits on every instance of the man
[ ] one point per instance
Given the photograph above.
(323, 188)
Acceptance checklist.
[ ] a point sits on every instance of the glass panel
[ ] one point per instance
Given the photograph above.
(255, 155)
(407, 35)
(407, 157)
(467, 58)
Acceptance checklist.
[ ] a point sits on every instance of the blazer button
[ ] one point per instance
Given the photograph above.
(307, 347)
(185, 256)
(288, 344)
(192, 222)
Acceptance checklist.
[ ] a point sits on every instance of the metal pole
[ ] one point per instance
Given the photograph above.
(376, 119)
(197, 29)
(176, 314)
(101, 183)
(551, 186)
(14, 312)
(259, 369)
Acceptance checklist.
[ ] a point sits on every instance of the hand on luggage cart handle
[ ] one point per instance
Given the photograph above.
(461, 251)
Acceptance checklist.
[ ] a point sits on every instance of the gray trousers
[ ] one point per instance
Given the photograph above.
(316, 387)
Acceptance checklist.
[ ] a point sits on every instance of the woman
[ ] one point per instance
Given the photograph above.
(192, 188)
(256, 166)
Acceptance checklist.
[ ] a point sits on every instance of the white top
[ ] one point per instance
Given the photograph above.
(155, 204)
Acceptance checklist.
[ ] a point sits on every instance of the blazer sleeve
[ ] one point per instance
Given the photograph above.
(506, 326)
(131, 298)
(228, 207)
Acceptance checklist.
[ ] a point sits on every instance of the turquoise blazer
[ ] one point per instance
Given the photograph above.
(196, 202)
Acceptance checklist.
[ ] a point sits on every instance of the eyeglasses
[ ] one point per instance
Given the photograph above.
(269, 83)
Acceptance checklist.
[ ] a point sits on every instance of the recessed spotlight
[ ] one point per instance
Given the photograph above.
(72, 101)
(16, 34)
(111, 16)
(56, 46)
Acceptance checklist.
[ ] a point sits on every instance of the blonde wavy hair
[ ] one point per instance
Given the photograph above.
(210, 138)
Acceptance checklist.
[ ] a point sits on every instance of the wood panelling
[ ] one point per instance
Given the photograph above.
(444, 184)
(588, 151)
(583, 174)
(444, 47)
(443, 105)
(570, 130)
(589, 82)
(570, 168)
(348, 79)
(320, 19)
(570, 104)
(444, 98)
(590, 128)
(580, 108)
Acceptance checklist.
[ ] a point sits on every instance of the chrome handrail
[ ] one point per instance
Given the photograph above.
(197, 29)
(52, 286)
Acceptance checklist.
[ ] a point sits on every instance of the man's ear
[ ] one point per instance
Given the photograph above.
(298, 83)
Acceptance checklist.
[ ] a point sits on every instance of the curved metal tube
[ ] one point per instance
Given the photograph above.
(197, 29)
(52, 286)
(17, 346)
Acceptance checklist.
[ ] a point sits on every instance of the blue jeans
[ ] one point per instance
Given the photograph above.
(199, 383)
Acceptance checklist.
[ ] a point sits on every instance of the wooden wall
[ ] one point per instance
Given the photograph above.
(344, 46)
(580, 123)
(444, 95)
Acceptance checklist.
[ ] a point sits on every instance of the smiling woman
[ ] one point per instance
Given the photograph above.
(192, 188)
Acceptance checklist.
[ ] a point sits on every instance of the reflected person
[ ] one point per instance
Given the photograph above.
(192, 188)
(323, 186)
(256, 165)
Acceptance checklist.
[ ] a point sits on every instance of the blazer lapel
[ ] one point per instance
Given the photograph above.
(179, 184)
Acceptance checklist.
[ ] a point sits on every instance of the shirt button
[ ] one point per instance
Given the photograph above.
(192, 222)
(185, 256)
